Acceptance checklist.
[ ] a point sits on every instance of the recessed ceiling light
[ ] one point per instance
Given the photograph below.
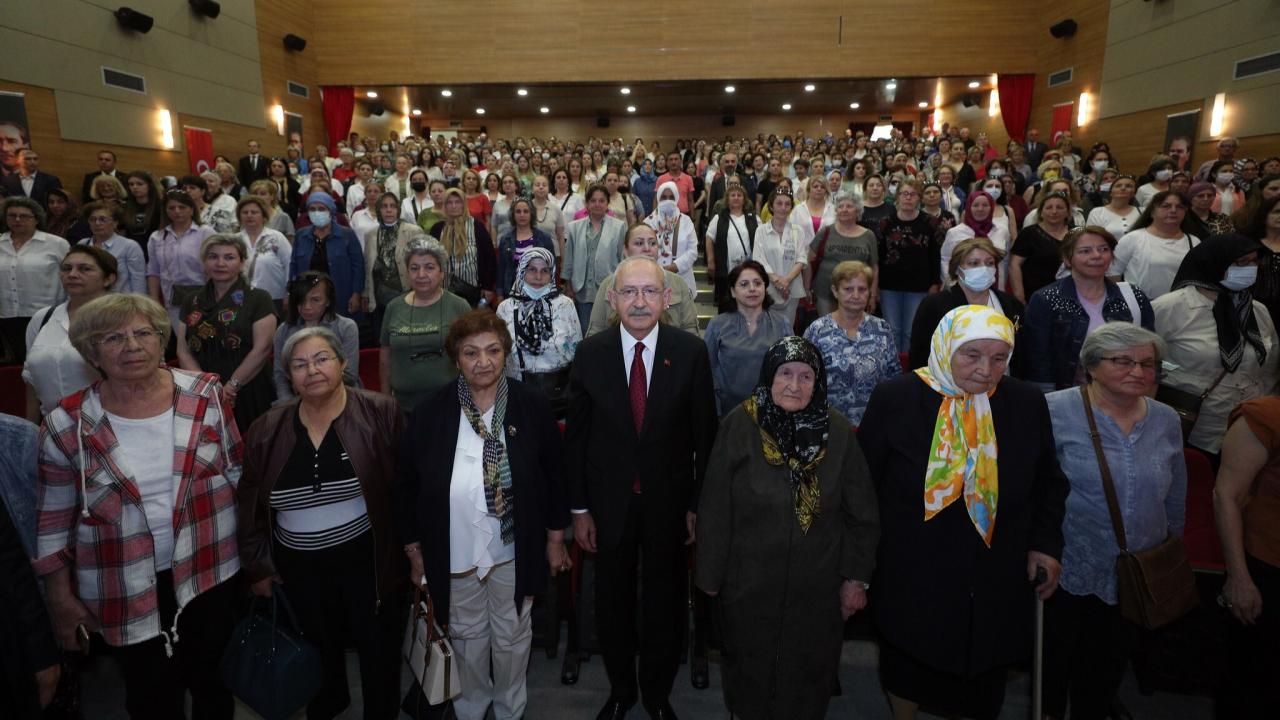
(891, 85)
(371, 94)
(625, 91)
(446, 92)
(522, 92)
(854, 106)
(786, 106)
(417, 112)
(974, 85)
(631, 108)
(923, 104)
(810, 87)
(729, 88)
(544, 109)
(479, 111)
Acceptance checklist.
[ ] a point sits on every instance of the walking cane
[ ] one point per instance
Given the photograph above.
(1037, 675)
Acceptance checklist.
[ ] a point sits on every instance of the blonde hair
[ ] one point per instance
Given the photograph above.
(109, 313)
(964, 247)
(225, 239)
(121, 195)
(849, 269)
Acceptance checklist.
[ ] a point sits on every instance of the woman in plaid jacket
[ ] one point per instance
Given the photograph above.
(136, 521)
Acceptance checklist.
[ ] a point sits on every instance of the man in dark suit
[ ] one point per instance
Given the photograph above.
(1035, 149)
(106, 166)
(253, 166)
(728, 166)
(641, 423)
(29, 181)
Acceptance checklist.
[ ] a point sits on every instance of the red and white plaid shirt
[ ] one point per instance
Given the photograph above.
(110, 549)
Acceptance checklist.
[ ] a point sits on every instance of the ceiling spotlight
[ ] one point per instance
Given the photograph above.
(371, 95)
(786, 106)
(854, 106)
(891, 85)
(446, 93)
(729, 88)
(522, 92)
(625, 91)
(631, 108)
(417, 112)
(479, 111)
(923, 104)
(975, 85)
(544, 109)
(810, 87)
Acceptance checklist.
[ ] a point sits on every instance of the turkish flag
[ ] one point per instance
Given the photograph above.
(199, 149)
(1062, 115)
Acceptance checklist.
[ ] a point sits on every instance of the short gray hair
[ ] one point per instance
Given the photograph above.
(633, 259)
(28, 203)
(429, 246)
(1114, 336)
(844, 196)
(305, 334)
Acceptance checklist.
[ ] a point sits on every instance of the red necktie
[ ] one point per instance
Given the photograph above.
(639, 393)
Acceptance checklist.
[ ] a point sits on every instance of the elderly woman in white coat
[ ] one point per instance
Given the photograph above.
(677, 236)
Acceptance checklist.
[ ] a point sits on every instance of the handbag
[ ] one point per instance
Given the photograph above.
(428, 651)
(270, 667)
(1154, 586)
(1186, 404)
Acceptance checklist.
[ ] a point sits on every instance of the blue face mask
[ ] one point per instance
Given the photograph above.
(536, 293)
(1240, 277)
(319, 218)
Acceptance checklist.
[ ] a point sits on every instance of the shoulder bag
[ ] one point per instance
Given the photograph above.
(1186, 404)
(270, 667)
(428, 651)
(1154, 586)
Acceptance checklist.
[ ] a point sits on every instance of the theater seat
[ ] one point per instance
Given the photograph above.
(904, 359)
(1201, 535)
(369, 369)
(13, 392)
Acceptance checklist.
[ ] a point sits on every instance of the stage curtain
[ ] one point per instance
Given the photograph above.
(1015, 103)
(339, 103)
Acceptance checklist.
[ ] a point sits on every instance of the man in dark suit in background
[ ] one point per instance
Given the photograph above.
(641, 423)
(106, 166)
(29, 181)
(253, 166)
(1035, 149)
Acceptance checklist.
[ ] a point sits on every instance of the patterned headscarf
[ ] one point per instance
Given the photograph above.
(962, 460)
(499, 493)
(797, 440)
(533, 317)
(1204, 266)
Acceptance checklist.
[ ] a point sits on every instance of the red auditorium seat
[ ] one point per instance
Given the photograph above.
(905, 360)
(369, 369)
(1201, 535)
(13, 392)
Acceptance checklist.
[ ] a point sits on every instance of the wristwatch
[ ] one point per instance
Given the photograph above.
(234, 384)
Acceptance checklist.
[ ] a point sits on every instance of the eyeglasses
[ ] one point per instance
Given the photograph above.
(116, 341)
(320, 362)
(1127, 363)
(19, 216)
(629, 294)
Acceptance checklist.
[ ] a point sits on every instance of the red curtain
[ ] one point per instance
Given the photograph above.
(1015, 103)
(339, 103)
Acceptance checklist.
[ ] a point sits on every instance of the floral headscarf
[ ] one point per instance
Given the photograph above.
(962, 460)
(797, 440)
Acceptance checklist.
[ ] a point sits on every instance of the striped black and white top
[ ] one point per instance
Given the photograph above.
(317, 500)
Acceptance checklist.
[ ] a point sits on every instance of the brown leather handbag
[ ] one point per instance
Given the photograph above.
(1155, 586)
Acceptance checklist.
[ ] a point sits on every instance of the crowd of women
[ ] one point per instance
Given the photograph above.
(192, 357)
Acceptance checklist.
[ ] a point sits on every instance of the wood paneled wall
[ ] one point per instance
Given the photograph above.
(1083, 52)
(490, 41)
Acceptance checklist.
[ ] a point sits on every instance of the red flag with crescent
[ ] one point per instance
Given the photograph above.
(199, 149)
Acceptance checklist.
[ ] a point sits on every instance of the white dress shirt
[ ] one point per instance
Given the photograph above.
(629, 353)
(29, 276)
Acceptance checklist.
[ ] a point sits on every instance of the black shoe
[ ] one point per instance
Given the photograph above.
(615, 709)
(660, 711)
(698, 673)
(569, 669)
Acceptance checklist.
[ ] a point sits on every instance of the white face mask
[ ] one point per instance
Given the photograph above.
(1105, 187)
(668, 208)
(1240, 277)
(1099, 165)
(994, 192)
(997, 172)
(977, 279)
(1225, 178)
(319, 218)
(1164, 175)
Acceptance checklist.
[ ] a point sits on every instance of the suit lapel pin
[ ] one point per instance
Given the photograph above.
(511, 430)
(666, 361)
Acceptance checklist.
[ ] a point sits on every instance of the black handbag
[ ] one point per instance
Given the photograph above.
(269, 666)
(1186, 404)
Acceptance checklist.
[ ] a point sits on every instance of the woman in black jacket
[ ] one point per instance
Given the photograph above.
(482, 512)
(973, 271)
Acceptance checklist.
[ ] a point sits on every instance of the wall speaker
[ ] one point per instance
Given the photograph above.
(208, 8)
(295, 43)
(728, 120)
(376, 109)
(131, 19)
(969, 101)
(602, 121)
(1064, 29)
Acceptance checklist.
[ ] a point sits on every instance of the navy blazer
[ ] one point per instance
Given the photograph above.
(605, 453)
(346, 261)
(40, 187)
(425, 471)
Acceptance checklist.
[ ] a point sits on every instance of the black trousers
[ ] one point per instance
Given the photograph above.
(156, 685)
(1252, 687)
(658, 554)
(333, 593)
(1087, 645)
